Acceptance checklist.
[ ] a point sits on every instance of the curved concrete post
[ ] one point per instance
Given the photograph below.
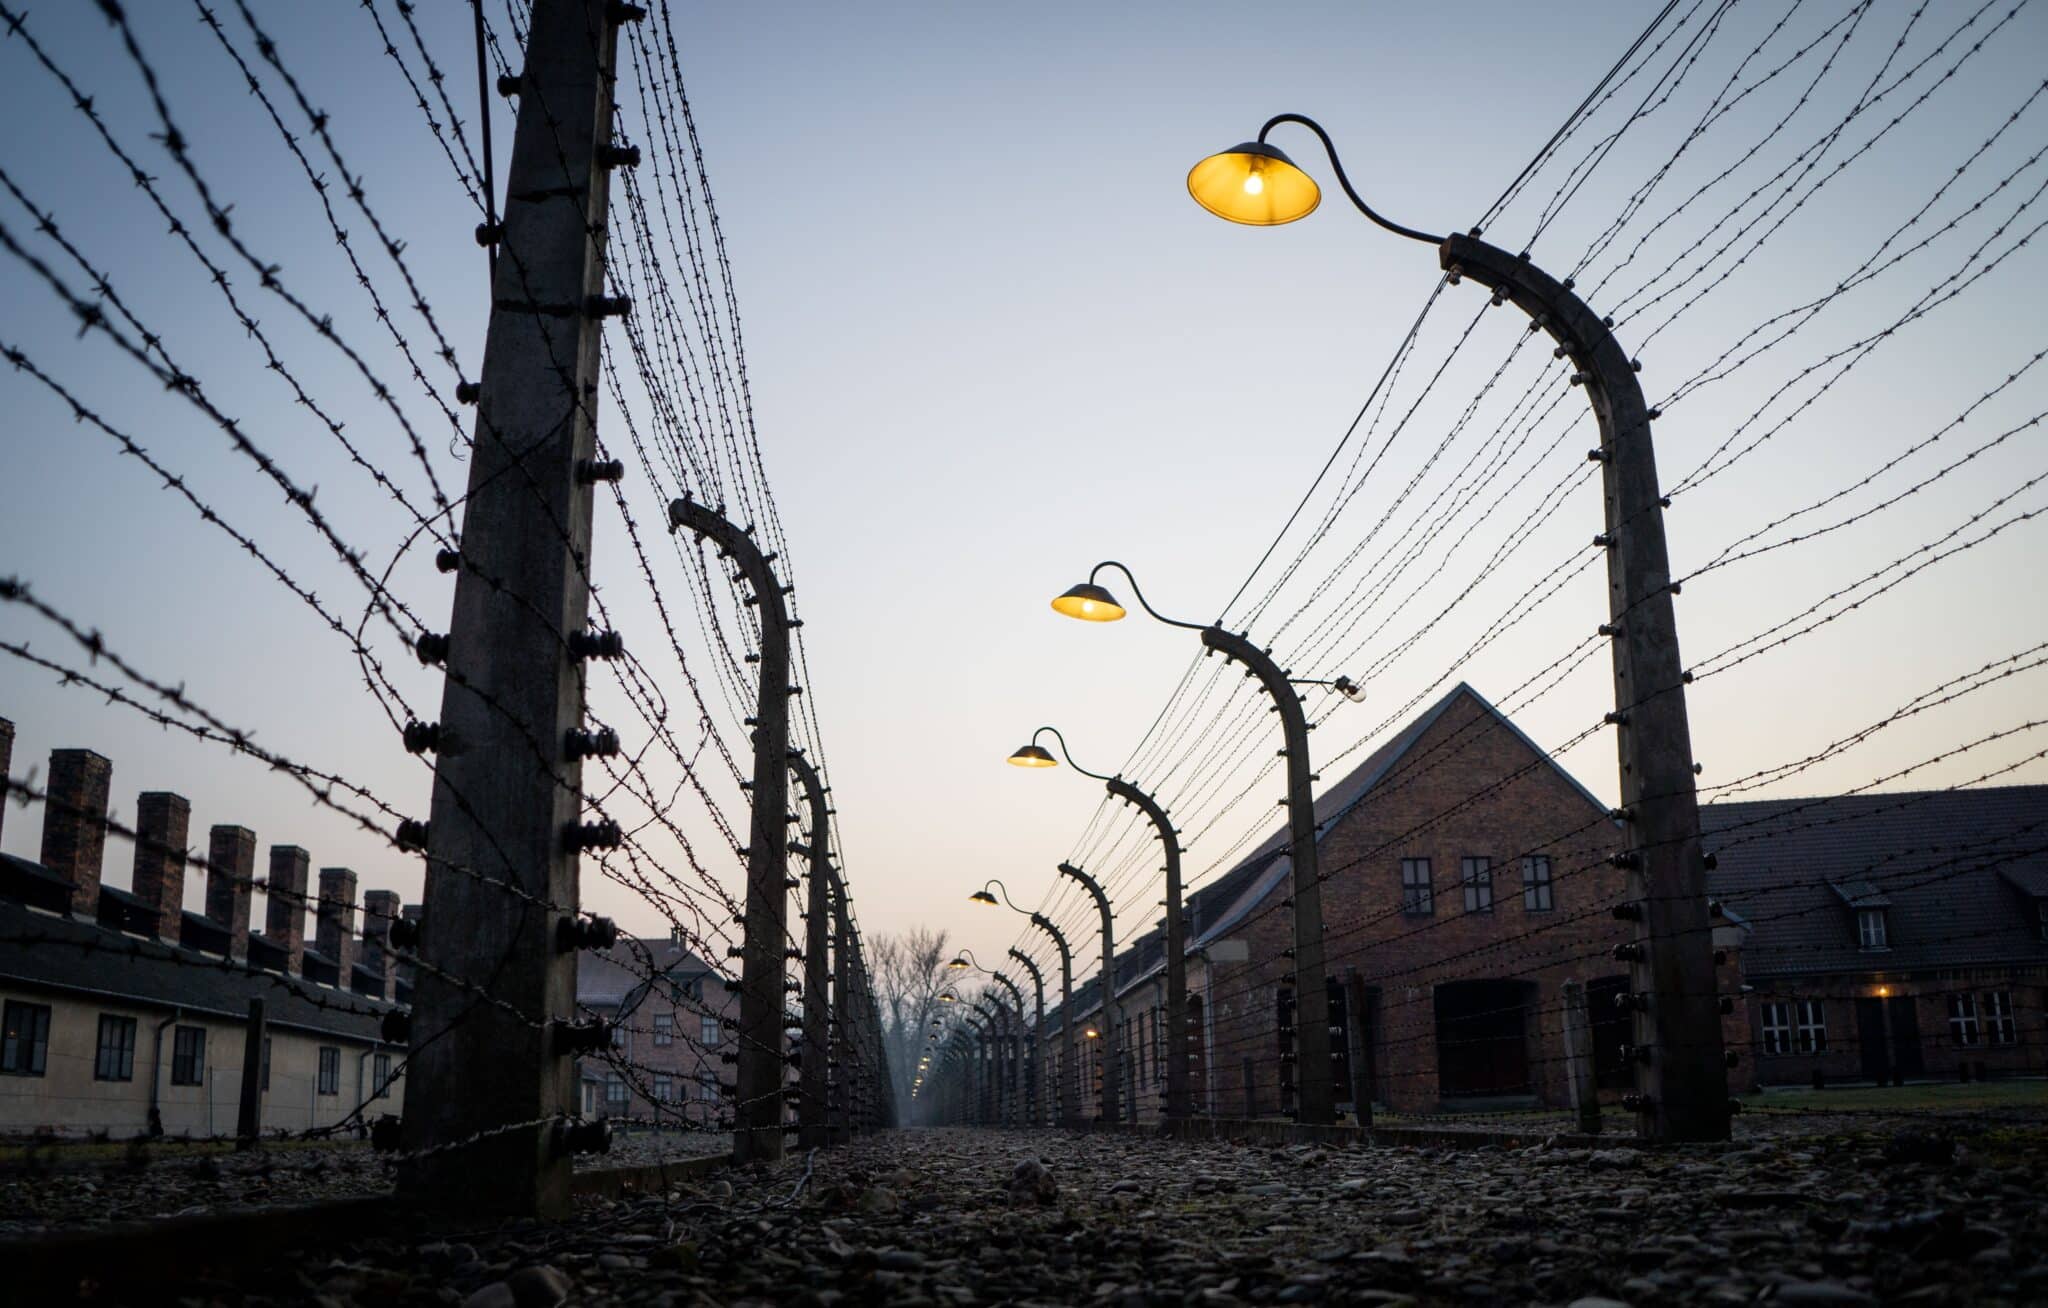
(1315, 1101)
(1176, 1053)
(1683, 1088)
(758, 1095)
(1111, 1073)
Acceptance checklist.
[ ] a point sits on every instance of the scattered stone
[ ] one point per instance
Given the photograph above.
(1822, 1294)
(1031, 1182)
(539, 1286)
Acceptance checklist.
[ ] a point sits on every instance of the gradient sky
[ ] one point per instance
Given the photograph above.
(991, 342)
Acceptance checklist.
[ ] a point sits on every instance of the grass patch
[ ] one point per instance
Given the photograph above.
(1932, 1097)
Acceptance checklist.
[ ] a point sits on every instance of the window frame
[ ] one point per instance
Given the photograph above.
(24, 1054)
(188, 1055)
(327, 1074)
(1809, 1026)
(664, 1030)
(1418, 888)
(1475, 874)
(1965, 1028)
(710, 1031)
(1996, 1015)
(616, 1093)
(1775, 1026)
(1537, 883)
(380, 1075)
(123, 1051)
(1867, 940)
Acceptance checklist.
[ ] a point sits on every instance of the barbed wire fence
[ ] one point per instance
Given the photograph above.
(1792, 207)
(562, 743)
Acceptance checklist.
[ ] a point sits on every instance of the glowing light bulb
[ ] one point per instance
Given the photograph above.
(1253, 184)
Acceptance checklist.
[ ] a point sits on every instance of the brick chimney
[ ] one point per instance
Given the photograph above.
(230, 872)
(380, 907)
(6, 763)
(334, 930)
(74, 824)
(162, 822)
(284, 909)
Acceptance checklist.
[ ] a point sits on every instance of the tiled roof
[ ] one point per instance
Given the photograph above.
(67, 954)
(1953, 868)
(612, 978)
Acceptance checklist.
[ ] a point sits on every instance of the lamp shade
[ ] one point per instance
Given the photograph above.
(1254, 184)
(959, 961)
(1033, 756)
(982, 896)
(1090, 603)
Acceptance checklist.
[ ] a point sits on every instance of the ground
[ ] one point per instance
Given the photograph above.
(1934, 1213)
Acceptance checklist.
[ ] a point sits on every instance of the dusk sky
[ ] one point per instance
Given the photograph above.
(990, 341)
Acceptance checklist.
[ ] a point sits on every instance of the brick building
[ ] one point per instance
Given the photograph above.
(673, 1025)
(1894, 936)
(1465, 880)
(123, 1012)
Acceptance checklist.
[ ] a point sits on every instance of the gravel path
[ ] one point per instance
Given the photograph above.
(935, 1219)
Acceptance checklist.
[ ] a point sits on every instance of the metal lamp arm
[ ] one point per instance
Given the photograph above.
(1345, 181)
(1144, 604)
(1064, 753)
(1004, 891)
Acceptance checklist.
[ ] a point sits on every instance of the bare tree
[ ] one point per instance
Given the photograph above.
(909, 974)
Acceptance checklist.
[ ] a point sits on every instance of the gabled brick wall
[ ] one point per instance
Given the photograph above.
(1470, 785)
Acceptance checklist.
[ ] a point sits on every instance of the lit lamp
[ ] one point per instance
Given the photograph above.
(1254, 184)
(1090, 603)
(1092, 1033)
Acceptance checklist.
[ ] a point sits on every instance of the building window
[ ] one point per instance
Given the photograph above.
(708, 1032)
(330, 1070)
(1476, 875)
(1962, 1018)
(380, 1075)
(188, 1055)
(614, 1094)
(25, 1045)
(619, 1036)
(664, 1089)
(1777, 1027)
(707, 1087)
(266, 1063)
(1812, 1031)
(1870, 932)
(664, 1030)
(1418, 898)
(1536, 884)
(115, 1059)
(1999, 1027)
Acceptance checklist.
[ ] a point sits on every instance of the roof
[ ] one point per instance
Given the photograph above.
(63, 953)
(1952, 869)
(617, 978)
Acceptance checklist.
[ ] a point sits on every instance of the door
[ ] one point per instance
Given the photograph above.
(1870, 1038)
(1482, 1038)
(1905, 1016)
